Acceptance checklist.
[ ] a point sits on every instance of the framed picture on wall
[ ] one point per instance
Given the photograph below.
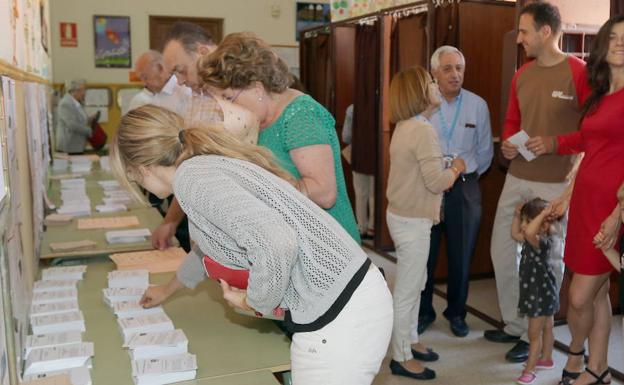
(112, 41)
(311, 15)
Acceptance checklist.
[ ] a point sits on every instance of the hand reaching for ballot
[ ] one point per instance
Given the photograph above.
(155, 295)
(162, 235)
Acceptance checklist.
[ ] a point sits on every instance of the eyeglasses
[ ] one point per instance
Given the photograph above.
(231, 99)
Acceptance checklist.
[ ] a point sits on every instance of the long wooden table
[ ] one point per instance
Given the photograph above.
(230, 348)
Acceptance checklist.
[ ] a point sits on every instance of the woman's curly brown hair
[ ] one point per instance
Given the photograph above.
(240, 60)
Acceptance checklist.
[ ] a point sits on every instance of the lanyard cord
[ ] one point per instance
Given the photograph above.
(447, 132)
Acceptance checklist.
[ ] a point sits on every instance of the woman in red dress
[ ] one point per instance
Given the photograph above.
(593, 198)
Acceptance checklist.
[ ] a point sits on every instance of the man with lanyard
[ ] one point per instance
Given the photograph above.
(463, 125)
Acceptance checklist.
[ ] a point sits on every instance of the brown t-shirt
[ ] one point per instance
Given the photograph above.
(546, 101)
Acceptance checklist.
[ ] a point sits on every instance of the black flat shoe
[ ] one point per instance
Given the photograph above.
(398, 370)
(424, 322)
(459, 327)
(519, 353)
(497, 335)
(430, 356)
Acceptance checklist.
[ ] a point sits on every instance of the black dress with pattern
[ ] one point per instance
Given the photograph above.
(539, 294)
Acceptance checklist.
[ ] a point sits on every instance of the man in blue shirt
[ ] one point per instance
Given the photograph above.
(463, 125)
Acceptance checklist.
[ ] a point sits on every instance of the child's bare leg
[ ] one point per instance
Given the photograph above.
(548, 338)
(536, 325)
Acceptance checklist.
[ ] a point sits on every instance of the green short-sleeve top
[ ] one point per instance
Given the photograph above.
(304, 122)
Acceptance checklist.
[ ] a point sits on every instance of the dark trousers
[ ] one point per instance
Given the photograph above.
(182, 231)
(462, 217)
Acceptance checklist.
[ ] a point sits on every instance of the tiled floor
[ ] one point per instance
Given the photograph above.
(473, 360)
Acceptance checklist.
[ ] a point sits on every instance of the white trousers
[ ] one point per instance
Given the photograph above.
(506, 252)
(411, 238)
(364, 188)
(349, 350)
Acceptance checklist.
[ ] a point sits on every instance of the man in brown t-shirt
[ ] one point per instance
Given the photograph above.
(545, 99)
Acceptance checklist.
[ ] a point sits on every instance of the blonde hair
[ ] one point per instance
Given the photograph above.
(240, 60)
(155, 136)
(409, 93)
(620, 195)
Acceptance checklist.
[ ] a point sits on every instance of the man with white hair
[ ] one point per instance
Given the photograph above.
(73, 126)
(150, 69)
(463, 125)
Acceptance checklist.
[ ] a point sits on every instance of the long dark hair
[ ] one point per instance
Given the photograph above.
(598, 71)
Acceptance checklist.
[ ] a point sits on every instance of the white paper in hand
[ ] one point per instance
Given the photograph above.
(519, 139)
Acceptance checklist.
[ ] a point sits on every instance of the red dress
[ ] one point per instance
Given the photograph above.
(599, 177)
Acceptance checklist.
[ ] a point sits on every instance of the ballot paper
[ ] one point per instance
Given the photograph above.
(109, 184)
(77, 376)
(63, 272)
(64, 176)
(57, 219)
(156, 261)
(60, 164)
(125, 309)
(72, 245)
(111, 208)
(164, 370)
(76, 182)
(54, 296)
(45, 379)
(40, 309)
(122, 200)
(54, 285)
(127, 236)
(39, 341)
(107, 222)
(121, 294)
(81, 209)
(128, 278)
(159, 344)
(158, 322)
(58, 358)
(105, 163)
(519, 139)
(58, 323)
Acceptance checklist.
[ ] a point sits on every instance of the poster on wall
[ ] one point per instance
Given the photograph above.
(311, 15)
(112, 41)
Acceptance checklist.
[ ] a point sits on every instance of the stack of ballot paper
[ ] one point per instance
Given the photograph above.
(40, 341)
(107, 222)
(77, 376)
(121, 294)
(164, 370)
(127, 236)
(125, 309)
(158, 322)
(111, 208)
(109, 184)
(128, 278)
(60, 165)
(58, 323)
(63, 272)
(105, 163)
(58, 358)
(156, 261)
(57, 219)
(80, 164)
(54, 285)
(54, 296)
(75, 200)
(157, 344)
(40, 309)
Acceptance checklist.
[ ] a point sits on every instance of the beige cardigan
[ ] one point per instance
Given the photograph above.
(417, 175)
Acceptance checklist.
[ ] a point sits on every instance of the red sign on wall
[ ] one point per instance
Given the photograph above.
(69, 35)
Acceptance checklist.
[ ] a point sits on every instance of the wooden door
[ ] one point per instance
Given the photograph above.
(159, 26)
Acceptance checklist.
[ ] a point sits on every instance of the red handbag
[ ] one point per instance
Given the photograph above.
(216, 271)
(98, 137)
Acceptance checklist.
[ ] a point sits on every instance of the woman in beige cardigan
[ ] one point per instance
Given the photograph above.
(415, 186)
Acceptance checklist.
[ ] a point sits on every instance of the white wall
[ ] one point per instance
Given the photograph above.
(238, 15)
(592, 12)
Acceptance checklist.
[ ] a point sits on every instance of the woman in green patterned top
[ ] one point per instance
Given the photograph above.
(298, 130)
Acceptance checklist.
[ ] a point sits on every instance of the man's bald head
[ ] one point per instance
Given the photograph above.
(149, 68)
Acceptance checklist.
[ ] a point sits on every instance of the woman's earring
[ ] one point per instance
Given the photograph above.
(260, 98)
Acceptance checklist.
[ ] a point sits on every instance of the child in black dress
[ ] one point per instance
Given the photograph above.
(539, 294)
